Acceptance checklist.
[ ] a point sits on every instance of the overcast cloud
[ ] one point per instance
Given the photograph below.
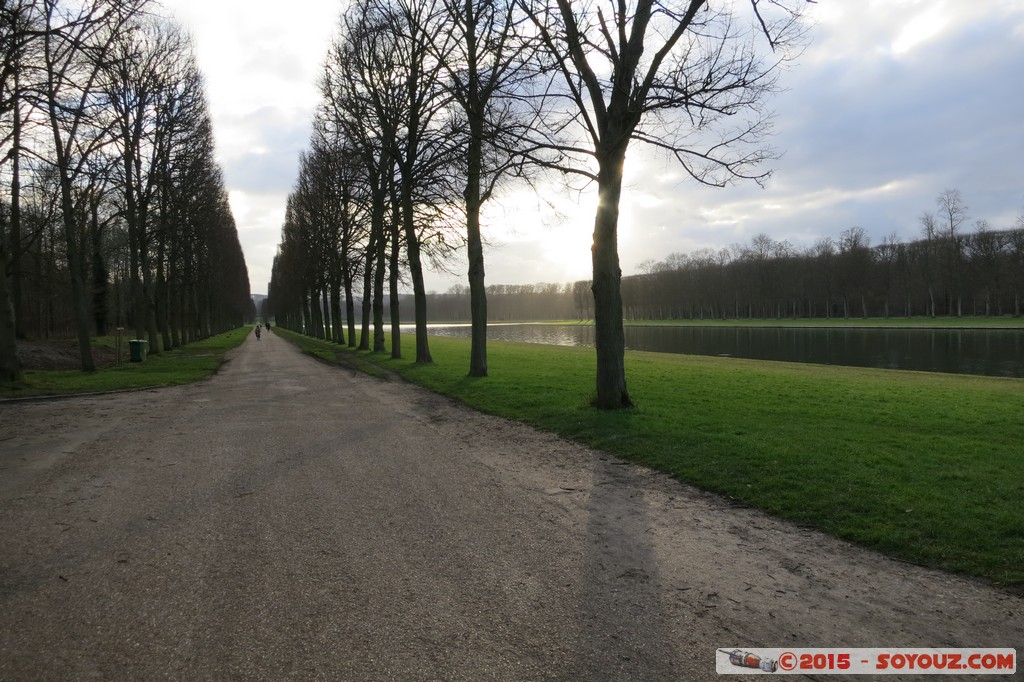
(893, 102)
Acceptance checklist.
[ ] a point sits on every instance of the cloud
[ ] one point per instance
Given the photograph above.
(262, 153)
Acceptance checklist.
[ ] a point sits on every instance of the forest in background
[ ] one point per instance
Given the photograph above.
(113, 210)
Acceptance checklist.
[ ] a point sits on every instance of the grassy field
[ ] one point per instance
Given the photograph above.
(180, 366)
(928, 468)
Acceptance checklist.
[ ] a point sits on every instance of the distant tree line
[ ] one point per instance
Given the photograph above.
(947, 271)
(511, 302)
(113, 212)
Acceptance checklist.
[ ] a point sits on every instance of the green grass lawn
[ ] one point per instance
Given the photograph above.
(925, 467)
(169, 368)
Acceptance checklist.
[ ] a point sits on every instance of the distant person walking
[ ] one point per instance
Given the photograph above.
(258, 327)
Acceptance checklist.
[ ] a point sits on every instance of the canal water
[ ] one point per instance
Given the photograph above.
(993, 352)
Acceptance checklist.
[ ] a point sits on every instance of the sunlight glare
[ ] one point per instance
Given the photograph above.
(918, 30)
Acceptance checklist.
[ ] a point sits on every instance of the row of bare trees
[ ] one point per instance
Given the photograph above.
(113, 210)
(429, 104)
(419, 116)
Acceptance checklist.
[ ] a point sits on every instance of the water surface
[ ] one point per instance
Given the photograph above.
(994, 352)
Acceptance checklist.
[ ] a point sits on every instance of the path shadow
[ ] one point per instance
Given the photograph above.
(625, 631)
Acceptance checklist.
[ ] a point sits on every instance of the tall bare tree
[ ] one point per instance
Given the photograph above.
(953, 213)
(423, 146)
(685, 76)
(488, 64)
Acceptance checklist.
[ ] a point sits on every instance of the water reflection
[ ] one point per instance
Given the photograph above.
(994, 352)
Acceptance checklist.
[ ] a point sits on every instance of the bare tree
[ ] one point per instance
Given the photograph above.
(487, 68)
(424, 152)
(676, 75)
(953, 213)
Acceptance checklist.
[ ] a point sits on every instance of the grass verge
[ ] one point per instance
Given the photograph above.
(169, 368)
(333, 353)
(928, 468)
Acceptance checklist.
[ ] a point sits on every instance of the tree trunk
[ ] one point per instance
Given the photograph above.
(149, 304)
(79, 302)
(100, 294)
(378, 287)
(79, 293)
(337, 330)
(174, 298)
(316, 308)
(10, 368)
(412, 249)
(364, 332)
(160, 298)
(328, 315)
(135, 286)
(307, 320)
(393, 302)
(609, 335)
(350, 309)
(14, 255)
(475, 250)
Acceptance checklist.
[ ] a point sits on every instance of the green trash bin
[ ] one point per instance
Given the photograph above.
(137, 349)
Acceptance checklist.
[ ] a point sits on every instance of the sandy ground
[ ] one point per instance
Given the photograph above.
(289, 519)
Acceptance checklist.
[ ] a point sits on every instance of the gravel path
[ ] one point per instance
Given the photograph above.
(286, 519)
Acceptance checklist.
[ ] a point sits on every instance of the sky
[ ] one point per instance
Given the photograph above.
(891, 103)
